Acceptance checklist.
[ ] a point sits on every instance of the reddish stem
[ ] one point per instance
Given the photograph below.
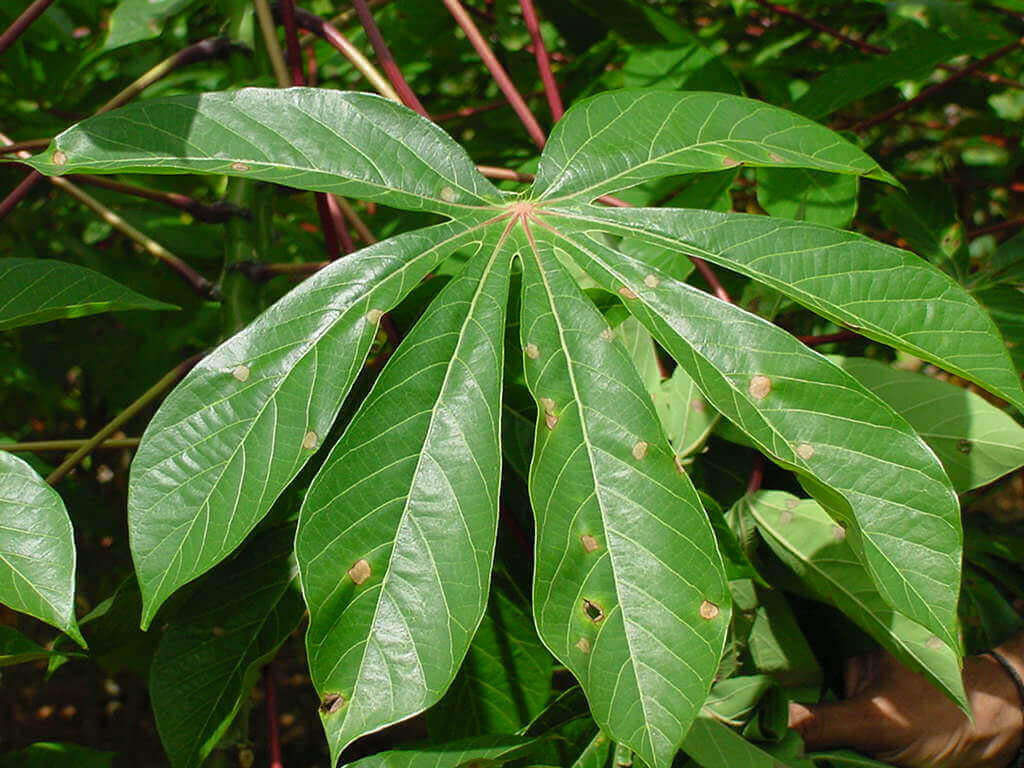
(338, 223)
(212, 213)
(327, 225)
(17, 194)
(291, 39)
(828, 338)
(712, 279)
(20, 24)
(547, 77)
(21, 146)
(508, 88)
(489, 106)
(387, 61)
(756, 475)
(273, 727)
(927, 93)
(1003, 225)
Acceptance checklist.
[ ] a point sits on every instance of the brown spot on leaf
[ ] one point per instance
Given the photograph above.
(448, 195)
(805, 450)
(359, 572)
(589, 543)
(786, 516)
(627, 292)
(374, 316)
(583, 645)
(639, 450)
(593, 611)
(776, 158)
(550, 420)
(698, 405)
(934, 643)
(241, 373)
(708, 610)
(759, 387)
(309, 441)
(239, 167)
(59, 158)
(731, 162)
(964, 445)
(532, 352)
(331, 703)
(607, 334)
(547, 403)
(838, 532)
(651, 281)
(678, 461)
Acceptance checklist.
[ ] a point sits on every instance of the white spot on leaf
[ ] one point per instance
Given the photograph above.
(59, 158)
(805, 450)
(374, 316)
(759, 387)
(309, 441)
(651, 281)
(532, 352)
(448, 195)
(241, 373)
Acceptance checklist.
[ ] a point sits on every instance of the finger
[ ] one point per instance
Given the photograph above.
(832, 725)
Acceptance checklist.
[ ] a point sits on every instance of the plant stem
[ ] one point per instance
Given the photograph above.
(507, 174)
(291, 40)
(21, 146)
(273, 728)
(386, 59)
(508, 88)
(20, 24)
(269, 32)
(316, 25)
(712, 279)
(200, 284)
(210, 48)
(213, 213)
(828, 338)
(1000, 227)
(17, 194)
(260, 271)
(547, 77)
(357, 223)
(168, 381)
(489, 106)
(756, 475)
(927, 93)
(41, 446)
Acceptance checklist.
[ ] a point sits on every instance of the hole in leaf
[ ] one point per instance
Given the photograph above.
(592, 610)
(331, 703)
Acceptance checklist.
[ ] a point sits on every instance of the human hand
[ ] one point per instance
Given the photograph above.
(895, 715)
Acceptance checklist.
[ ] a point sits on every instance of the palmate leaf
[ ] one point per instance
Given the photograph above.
(882, 292)
(629, 591)
(37, 548)
(354, 144)
(234, 433)
(807, 540)
(851, 450)
(39, 290)
(396, 535)
(212, 650)
(616, 140)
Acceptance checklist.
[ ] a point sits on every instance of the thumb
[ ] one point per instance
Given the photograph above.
(834, 724)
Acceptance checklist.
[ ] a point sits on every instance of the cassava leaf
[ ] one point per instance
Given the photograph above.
(490, 750)
(355, 144)
(39, 290)
(136, 20)
(882, 292)
(815, 196)
(212, 650)
(807, 540)
(15, 648)
(628, 587)
(975, 441)
(396, 535)
(37, 548)
(617, 139)
(234, 433)
(848, 448)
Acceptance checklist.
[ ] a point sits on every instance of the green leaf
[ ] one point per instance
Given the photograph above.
(597, 754)
(916, 57)
(685, 414)
(135, 20)
(505, 680)
(807, 540)
(847, 447)
(229, 439)
(975, 441)
(814, 196)
(354, 144)
(212, 649)
(628, 587)
(396, 535)
(15, 648)
(617, 139)
(843, 276)
(712, 744)
(989, 619)
(490, 750)
(39, 290)
(48, 754)
(37, 548)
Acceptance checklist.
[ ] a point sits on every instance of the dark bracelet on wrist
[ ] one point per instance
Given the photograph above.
(1018, 762)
